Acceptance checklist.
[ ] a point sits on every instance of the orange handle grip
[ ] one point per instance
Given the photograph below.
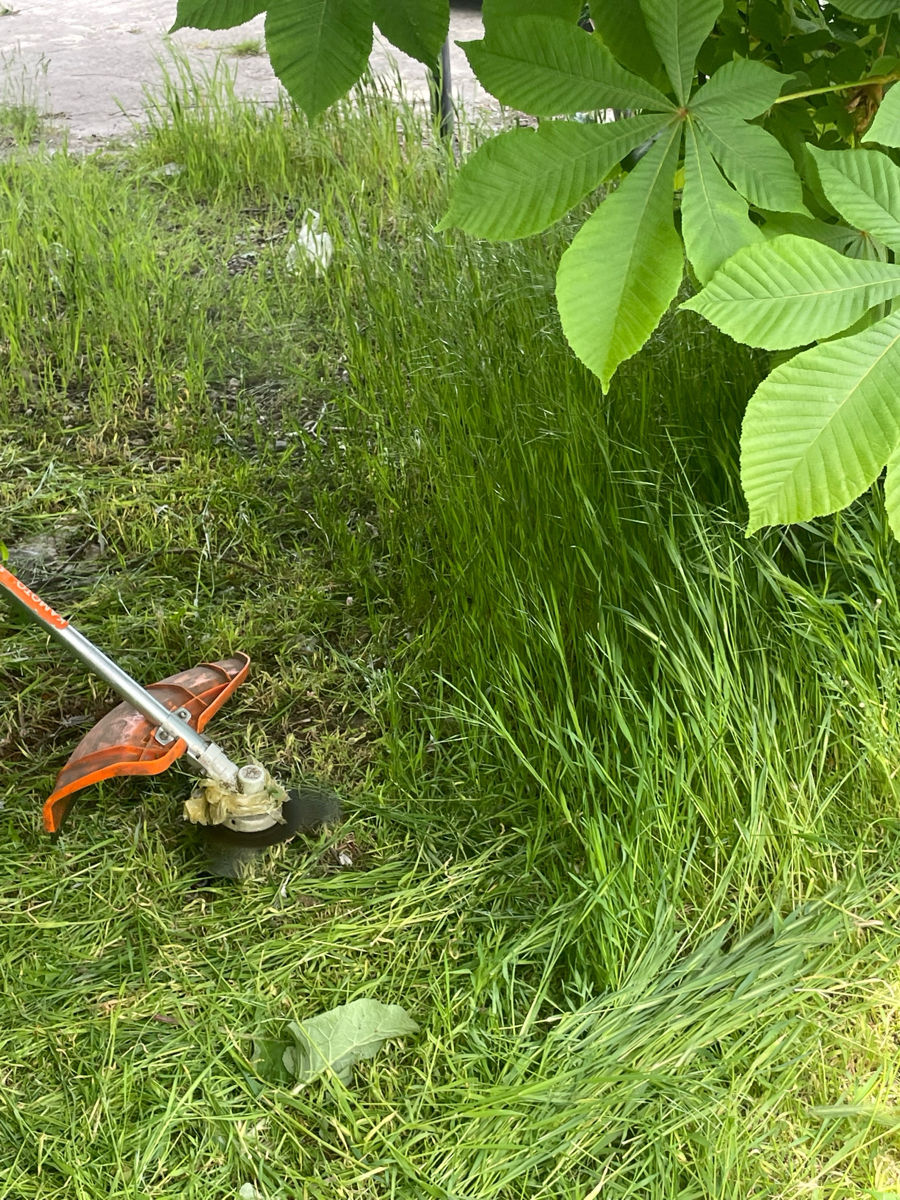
(35, 605)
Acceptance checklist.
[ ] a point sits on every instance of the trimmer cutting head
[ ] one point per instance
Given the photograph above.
(236, 824)
(233, 853)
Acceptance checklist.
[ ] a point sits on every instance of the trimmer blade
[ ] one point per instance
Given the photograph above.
(231, 853)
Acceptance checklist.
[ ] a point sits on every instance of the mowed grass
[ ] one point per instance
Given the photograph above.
(620, 784)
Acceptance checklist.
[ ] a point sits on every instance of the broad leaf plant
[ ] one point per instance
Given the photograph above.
(753, 149)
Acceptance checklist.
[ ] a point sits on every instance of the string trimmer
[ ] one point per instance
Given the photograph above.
(240, 810)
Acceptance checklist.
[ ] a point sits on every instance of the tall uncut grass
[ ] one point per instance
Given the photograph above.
(621, 791)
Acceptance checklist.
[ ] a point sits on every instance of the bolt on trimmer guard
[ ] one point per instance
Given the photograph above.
(242, 810)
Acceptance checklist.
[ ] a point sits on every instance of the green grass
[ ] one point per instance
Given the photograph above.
(21, 94)
(245, 48)
(19, 124)
(620, 784)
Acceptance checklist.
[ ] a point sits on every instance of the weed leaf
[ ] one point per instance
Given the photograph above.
(819, 429)
(318, 48)
(678, 29)
(790, 291)
(521, 181)
(546, 66)
(332, 1041)
(715, 220)
(864, 187)
(624, 266)
(338, 1039)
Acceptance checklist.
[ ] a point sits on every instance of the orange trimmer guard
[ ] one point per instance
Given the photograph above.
(124, 742)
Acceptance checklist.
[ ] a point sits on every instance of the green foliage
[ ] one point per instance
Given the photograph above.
(417, 29)
(756, 209)
(886, 126)
(892, 491)
(624, 31)
(868, 8)
(524, 180)
(791, 291)
(740, 89)
(724, 167)
(678, 28)
(624, 266)
(495, 11)
(758, 166)
(548, 66)
(864, 188)
(715, 220)
(819, 430)
(216, 14)
(318, 48)
(614, 756)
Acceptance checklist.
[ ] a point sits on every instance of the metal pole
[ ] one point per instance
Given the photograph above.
(441, 98)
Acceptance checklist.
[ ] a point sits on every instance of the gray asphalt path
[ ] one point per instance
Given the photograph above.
(87, 62)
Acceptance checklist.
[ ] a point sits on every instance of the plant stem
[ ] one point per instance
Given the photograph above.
(839, 87)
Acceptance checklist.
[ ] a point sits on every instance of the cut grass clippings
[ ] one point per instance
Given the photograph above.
(620, 784)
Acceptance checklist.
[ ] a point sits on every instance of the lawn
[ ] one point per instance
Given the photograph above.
(620, 784)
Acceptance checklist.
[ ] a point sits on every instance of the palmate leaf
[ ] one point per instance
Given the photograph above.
(622, 28)
(885, 129)
(678, 29)
(521, 181)
(493, 11)
(318, 48)
(742, 89)
(838, 236)
(819, 429)
(864, 187)
(715, 221)
(547, 66)
(417, 27)
(216, 14)
(864, 246)
(868, 8)
(790, 291)
(758, 165)
(624, 266)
